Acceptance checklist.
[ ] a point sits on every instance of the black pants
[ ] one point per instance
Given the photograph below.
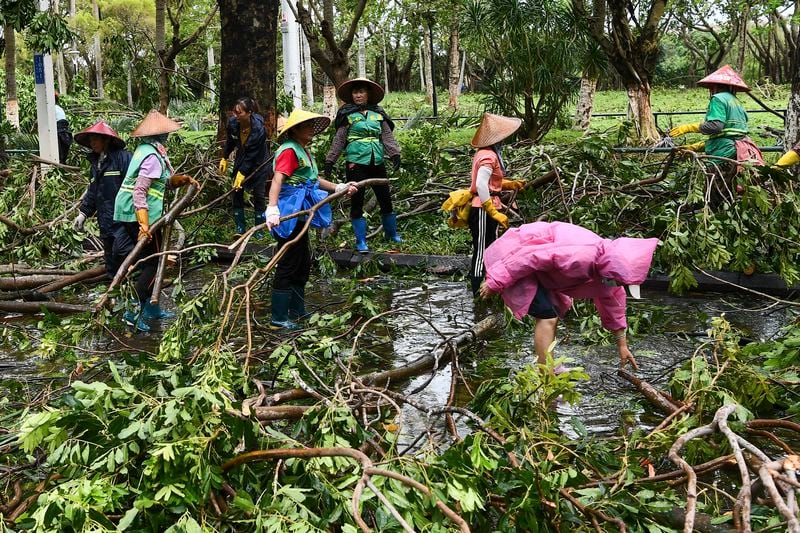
(541, 306)
(484, 232)
(108, 255)
(125, 236)
(357, 172)
(294, 267)
(258, 189)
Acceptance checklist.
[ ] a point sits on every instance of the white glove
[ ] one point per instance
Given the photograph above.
(77, 224)
(341, 186)
(350, 187)
(273, 216)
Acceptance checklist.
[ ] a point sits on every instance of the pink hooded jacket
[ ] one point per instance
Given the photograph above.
(570, 262)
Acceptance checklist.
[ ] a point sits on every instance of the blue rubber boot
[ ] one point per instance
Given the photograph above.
(297, 302)
(360, 230)
(260, 218)
(154, 312)
(390, 227)
(133, 317)
(238, 219)
(280, 309)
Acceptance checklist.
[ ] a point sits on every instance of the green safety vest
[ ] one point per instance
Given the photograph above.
(726, 107)
(364, 138)
(307, 171)
(123, 204)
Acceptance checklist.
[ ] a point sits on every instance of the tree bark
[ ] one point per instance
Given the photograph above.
(455, 56)
(252, 74)
(10, 51)
(426, 59)
(641, 112)
(792, 134)
(98, 53)
(583, 111)
(743, 39)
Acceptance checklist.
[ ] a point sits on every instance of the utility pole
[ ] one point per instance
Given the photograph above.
(45, 101)
(291, 54)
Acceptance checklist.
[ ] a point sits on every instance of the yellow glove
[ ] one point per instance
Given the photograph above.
(788, 159)
(223, 166)
(492, 211)
(696, 147)
(143, 218)
(684, 129)
(237, 181)
(179, 180)
(512, 185)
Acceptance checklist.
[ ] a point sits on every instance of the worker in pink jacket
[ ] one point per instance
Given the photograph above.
(539, 268)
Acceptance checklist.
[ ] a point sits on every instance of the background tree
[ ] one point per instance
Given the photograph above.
(14, 16)
(708, 30)
(792, 133)
(594, 65)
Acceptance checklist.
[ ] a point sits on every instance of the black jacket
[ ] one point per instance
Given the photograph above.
(106, 179)
(255, 151)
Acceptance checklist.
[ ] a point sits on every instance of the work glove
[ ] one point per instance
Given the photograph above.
(788, 159)
(223, 166)
(350, 187)
(696, 147)
(327, 170)
(237, 181)
(492, 211)
(512, 185)
(179, 180)
(395, 162)
(273, 216)
(683, 129)
(77, 224)
(143, 218)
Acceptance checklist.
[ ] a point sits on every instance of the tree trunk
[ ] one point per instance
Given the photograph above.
(129, 85)
(385, 65)
(98, 54)
(161, 46)
(426, 58)
(211, 88)
(455, 56)
(743, 39)
(254, 73)
(10, 51)
(640, 111)
(329, 103)
(61, 72)
(792, 133)
(309, 71)
(421, 69)
(583, 111)
(362, 55)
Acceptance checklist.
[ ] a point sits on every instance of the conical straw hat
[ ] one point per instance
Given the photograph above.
(99, 128)
(493, 129)
(724, 76)
(297, 117)
(345, 90)
(155, 124)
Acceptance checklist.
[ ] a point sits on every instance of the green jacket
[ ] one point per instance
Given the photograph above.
(123, 204)
(364, 138)
(726, 108)
(307, 171)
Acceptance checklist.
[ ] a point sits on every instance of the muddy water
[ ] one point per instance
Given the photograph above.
(606, 404)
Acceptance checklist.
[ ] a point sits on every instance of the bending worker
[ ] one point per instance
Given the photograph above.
(139, 203)
(488, 179)
(539, 268)
(364, 133)
(108, 163)
(247, 135)
(296, 186)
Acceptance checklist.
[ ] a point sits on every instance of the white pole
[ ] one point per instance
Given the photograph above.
(385, 65)
(212, 89)
(291, 55)
(308, 69)
(362, 54)
(45, 101)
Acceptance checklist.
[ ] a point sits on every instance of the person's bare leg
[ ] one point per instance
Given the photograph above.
(543, 336)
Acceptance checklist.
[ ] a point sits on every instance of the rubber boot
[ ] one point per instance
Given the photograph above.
(280, 309)
(297, 302)
(154, 312)
(238, 219)
(134, 318)
(390, 227)
(260, 218)
(360, 231)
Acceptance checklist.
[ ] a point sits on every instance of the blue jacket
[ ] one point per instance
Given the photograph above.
(106, 179)
(253, 153)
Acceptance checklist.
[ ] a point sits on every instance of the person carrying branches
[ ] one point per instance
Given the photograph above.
(108, 165)
(139, 203)
(247, 135)
(364, 133)
(726, 126)
(296, 186)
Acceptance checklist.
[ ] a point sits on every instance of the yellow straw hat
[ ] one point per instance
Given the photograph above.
(345, 90)
(297, 117)
(155, 124)
(493, 129)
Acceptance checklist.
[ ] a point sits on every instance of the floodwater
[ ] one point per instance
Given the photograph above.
(676, 327)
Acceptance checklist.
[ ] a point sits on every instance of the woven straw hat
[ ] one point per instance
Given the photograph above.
(155, 124)
(345, 90)
(99, 128)
(297, 117)
(724, 76)
(493, 129)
